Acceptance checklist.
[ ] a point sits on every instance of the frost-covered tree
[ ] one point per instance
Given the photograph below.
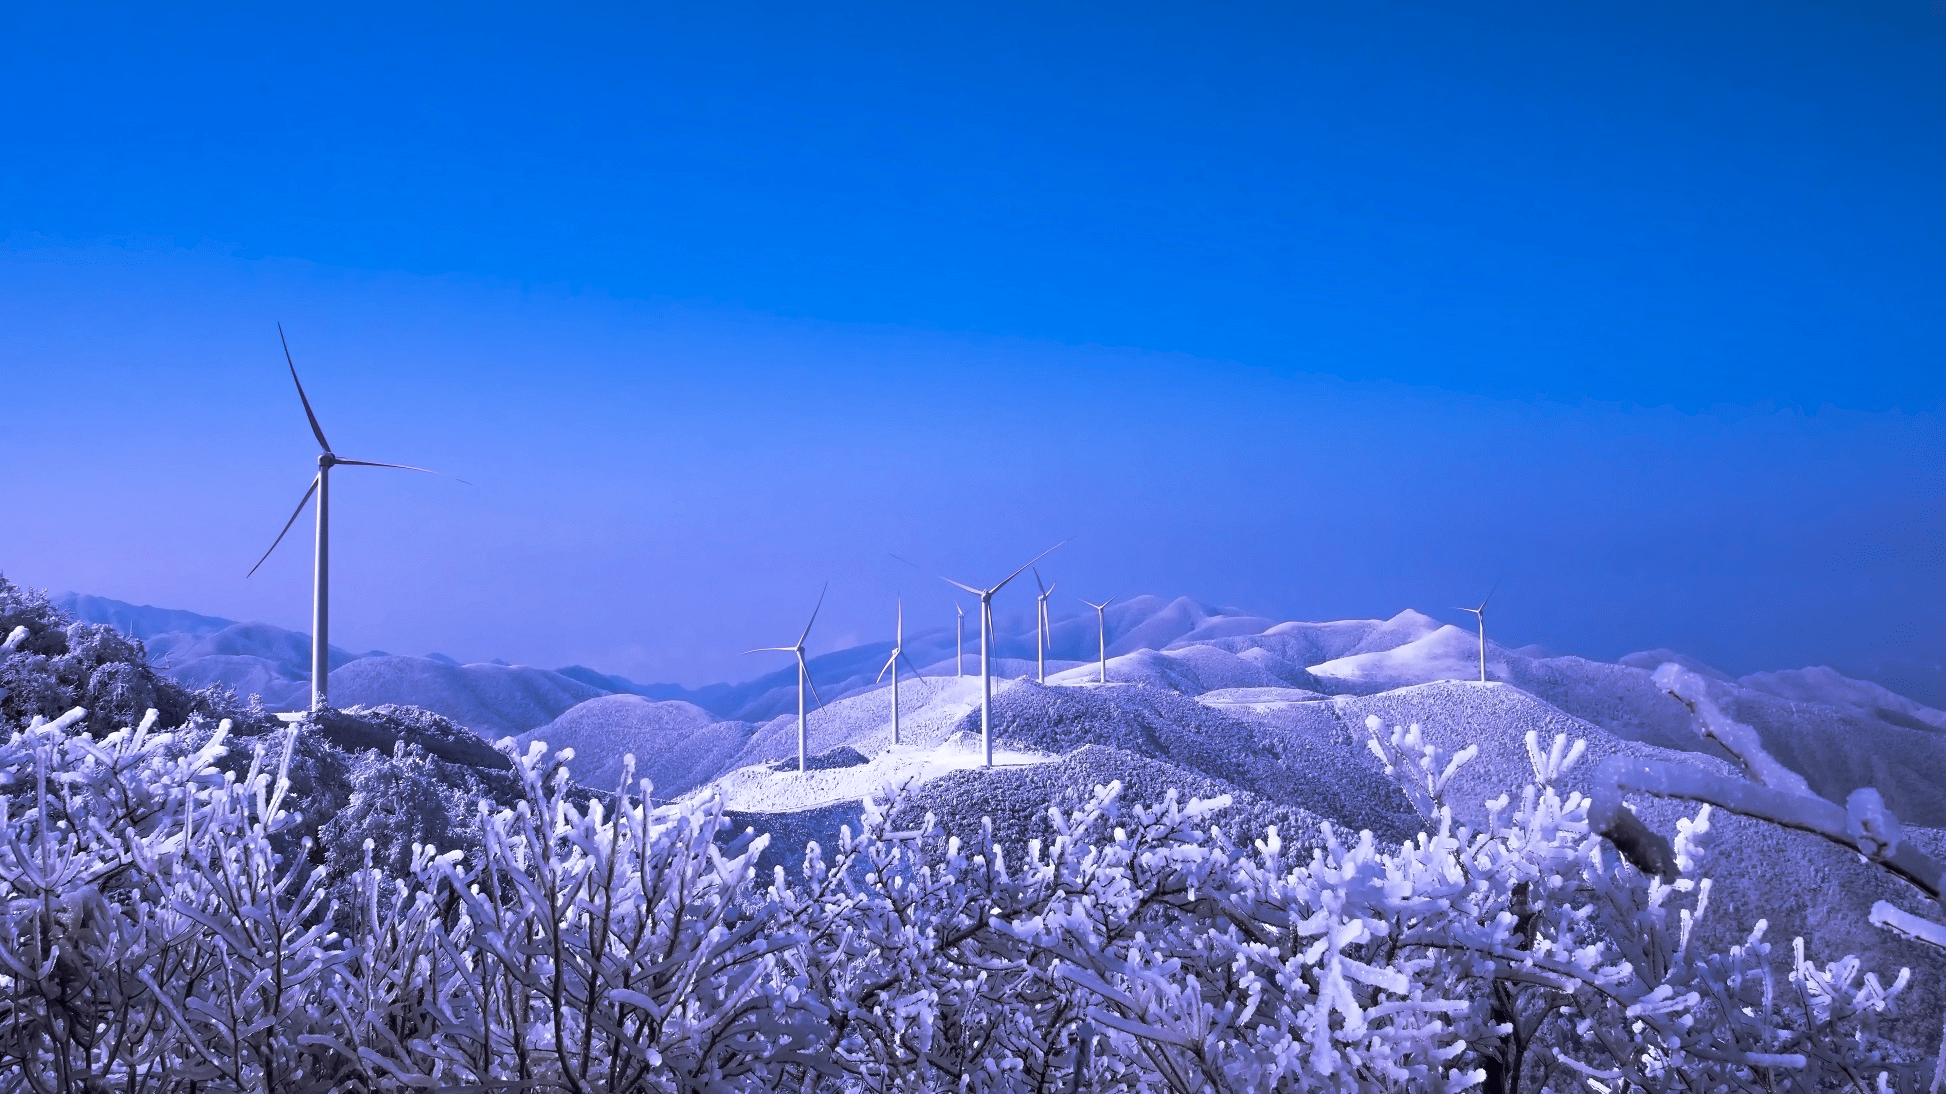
(163, 933)
(50, 663)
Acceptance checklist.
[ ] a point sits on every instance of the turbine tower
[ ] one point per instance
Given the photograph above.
(803, 674)
(986, 650)
(1480, 613)
(1043, 631)
(1101, 624)
(321, 565)
(892, 666)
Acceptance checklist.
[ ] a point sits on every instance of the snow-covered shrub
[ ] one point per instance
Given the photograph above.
(395, 802)
(49, 663)
(152, 938)
(162, 934)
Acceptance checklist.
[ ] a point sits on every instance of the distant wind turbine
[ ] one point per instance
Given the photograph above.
(321, 564)
(1481, 614)
(892, 666)
(986, 649)
(803, 675)
(959, 641)
(1101, 623)
(1043, 632)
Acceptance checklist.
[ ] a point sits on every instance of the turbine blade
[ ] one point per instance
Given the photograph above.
(316, 429)
(769, 649)
(1490, 592)
(907, 658)
(968, 588)
(405, 467)
(907, 561)
(1030, 562)
(301, 503)
(889, 662)
(1042, 585)
(808, 680)
(814, 614)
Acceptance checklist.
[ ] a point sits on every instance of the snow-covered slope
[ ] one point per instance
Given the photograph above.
(1819, 684)
(677, 746)
(1443, 653)
(495, 700)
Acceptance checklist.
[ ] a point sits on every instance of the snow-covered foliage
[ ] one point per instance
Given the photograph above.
(49, 663)
(156, 939)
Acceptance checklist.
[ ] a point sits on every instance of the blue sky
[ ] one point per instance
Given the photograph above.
(1318, 310)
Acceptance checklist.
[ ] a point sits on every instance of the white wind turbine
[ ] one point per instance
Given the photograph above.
(1101, 623)
(892, 666)
(1480, 613)
(986, 649)
(959, 641)
(1043, 632)
(321, 565)
(803, 675)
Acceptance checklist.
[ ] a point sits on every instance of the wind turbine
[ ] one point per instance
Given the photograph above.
(1101, 622)
(1481, 614)
(321, 565)
(1043, 633)
(986, 649)
(892, 666)
(959, 641)
(803, 674)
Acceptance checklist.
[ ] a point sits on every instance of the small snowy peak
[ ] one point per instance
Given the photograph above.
(778, 787)
(1622, 699)
(1189, 670)
(1407, 627)
(1444, 653)
(677, 745)
(1279, 668)
(493, 700)
(246, 676)
(1147, 622)
(1304, 643)
(1494, 716)
(1820, 684)
(1651, 660)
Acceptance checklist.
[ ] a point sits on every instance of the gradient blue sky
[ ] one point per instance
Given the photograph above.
(1320, 310)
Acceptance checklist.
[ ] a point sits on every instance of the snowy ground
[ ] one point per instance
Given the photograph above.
(779, 787)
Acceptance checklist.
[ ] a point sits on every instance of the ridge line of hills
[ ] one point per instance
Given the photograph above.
(1160, 635)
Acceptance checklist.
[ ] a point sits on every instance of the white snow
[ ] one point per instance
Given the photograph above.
(780, 788)
(1444, 653)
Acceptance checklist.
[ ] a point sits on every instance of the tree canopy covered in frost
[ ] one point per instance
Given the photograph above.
(49, 663)
(169, 927)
